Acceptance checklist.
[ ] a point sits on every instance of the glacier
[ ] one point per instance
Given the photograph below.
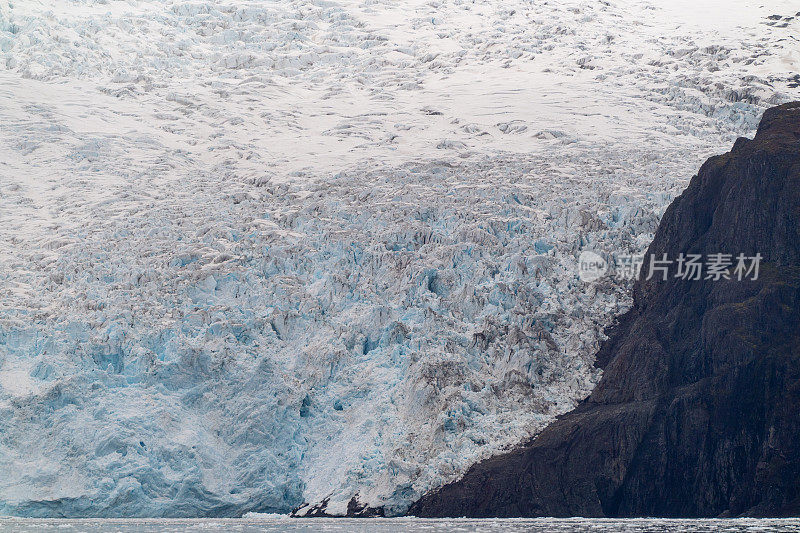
(260, 256)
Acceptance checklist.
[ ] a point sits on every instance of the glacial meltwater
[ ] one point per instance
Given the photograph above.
(357, 525)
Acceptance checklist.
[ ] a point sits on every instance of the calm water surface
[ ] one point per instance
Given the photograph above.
(543, 525)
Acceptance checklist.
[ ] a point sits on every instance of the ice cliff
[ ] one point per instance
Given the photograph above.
(255, 255)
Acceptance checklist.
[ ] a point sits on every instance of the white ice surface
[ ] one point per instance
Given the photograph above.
(256, 254)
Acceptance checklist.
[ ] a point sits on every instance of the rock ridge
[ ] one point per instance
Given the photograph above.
(698, 411)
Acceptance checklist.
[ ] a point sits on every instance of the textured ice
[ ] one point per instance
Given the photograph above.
(255, 255)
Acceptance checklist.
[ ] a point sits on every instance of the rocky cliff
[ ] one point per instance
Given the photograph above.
(698, 411)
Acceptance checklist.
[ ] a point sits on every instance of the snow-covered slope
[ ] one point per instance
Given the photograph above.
(256, 254)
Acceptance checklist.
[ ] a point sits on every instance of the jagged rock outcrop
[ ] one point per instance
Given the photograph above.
(698, 411)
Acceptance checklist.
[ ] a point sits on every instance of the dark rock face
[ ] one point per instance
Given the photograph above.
(698, 411)
(355, 509)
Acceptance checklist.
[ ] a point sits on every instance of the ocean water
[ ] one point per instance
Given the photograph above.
(490, 525)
